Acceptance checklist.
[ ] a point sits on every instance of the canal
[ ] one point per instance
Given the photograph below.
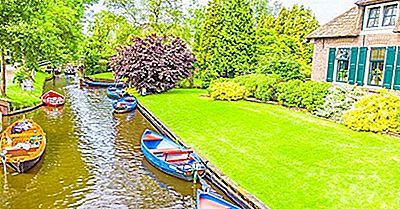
(92, 160)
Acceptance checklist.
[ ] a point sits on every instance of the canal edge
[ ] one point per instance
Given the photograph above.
(241, 197)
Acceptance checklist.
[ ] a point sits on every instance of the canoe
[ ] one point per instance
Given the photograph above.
(205, 200)
(22, 145)
(170, 157)
(101, 84)
(125, 104)
(115, 93)
(52, 98)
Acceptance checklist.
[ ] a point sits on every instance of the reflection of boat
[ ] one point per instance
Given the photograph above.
(86, 82)
(53, 98)
(124, 105)
(116, 93)
(53, 111)
(23, 144)
(205, 200)
(170, 157)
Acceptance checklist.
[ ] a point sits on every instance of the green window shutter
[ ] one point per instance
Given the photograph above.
(362, 59)
(353, 65)
(389, 67)
(331, 64)
(396, 85)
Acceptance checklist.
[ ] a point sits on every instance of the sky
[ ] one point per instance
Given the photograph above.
(324, 10)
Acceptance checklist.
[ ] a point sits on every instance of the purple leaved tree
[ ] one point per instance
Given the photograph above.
(153, 64)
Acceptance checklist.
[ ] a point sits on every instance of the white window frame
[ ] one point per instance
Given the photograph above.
(380, 28)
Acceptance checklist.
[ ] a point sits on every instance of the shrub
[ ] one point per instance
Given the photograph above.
(154, 64)
(339, 100)
(295, 93)
(227, 90)
(375, 113)
(286, 69)
(257, 82)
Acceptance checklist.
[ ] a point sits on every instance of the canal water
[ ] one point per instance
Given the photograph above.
(92, 160)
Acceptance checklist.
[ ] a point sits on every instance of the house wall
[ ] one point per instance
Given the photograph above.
(321, 49)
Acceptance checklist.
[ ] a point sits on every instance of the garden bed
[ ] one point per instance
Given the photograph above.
(287, 159)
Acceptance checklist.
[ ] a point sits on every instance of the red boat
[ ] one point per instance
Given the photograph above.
(53, 98)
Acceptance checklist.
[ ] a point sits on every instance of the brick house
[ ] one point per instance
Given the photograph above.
(361, 46)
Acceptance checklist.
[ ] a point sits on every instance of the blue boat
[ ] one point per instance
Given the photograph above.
(205, 200)
(116, 93)
(126, 104)
(170, 157)
(101, 84)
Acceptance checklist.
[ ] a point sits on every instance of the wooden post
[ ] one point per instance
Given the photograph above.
(3, 74)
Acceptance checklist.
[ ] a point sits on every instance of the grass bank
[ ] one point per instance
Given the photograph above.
(108, 75)
(21, 99)
(287, 159)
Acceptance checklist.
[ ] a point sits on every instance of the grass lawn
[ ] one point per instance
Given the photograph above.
(108, 75)
(20, 99)
(287, 159)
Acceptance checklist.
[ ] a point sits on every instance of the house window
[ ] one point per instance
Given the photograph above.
(343, 64)
(376, 66)
(373, 17)
(389, 15)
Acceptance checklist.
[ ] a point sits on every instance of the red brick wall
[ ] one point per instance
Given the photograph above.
(321, 49)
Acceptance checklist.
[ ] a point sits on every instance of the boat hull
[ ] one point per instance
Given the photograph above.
(25, 166)
(101, 84)
(206, 200)
(128, 106)
(53, 99)
(168, 167)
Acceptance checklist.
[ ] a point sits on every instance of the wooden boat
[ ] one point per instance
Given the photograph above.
(205, 200)
(116, 93)
(126, 104)
(170, 157)
(22, 145)
(52, 98)
(86, 82)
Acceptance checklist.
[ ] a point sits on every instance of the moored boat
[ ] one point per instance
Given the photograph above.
(116, 93)
(52, 98)
(22, 145)
(205, 200)
(86, 82)
(125, 104)
(170, 157)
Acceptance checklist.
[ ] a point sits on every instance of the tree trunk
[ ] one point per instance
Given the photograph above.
(3, 73)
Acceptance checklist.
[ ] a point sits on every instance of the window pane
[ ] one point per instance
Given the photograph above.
(343, 54)
(343, 70)
(376, 73)
(389, 17)
(378, 54)
(373, 17)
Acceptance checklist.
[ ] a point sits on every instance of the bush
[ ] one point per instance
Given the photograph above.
(295, 93)
(376, 113)
(339, 100)
(227, 90)
(258, 83)
(286, 69)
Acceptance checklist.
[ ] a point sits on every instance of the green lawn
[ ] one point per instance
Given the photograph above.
(20, 99)
(108, 75)
(287, 159)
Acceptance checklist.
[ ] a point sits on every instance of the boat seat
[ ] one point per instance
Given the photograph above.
(161, 151)
(178, 159)
(151, 138)
(178, 152)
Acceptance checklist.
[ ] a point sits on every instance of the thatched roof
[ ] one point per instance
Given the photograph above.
(346, 25)
(371, 2)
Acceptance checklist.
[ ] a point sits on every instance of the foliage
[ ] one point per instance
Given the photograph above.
(259, 86)
(309, 95)
(227, 90)
(375, 113)
(153, 64)
(20, 75)
(321, 156)
(286, 69)
(339, 100)
(107, 32)
(227, 46)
